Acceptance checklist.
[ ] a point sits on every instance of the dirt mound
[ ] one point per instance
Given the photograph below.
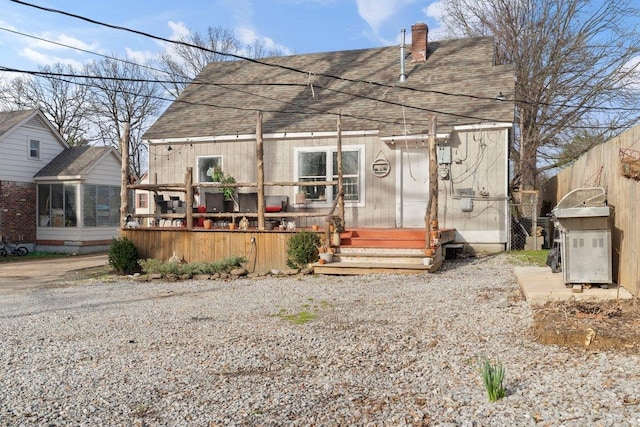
(596, 326)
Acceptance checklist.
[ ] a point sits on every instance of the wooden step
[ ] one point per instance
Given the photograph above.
(375, 250)
(384, 238)
(379, 255)
(354, 268)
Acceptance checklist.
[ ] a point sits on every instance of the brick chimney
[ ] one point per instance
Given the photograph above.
(419, 42)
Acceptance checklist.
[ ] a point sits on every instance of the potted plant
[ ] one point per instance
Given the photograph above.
(325, 252)
(229, 192)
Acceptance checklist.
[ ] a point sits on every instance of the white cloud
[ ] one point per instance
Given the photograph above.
(178, 30)
(140, 56)
(375, 12)
(248, 37)
(46, 59)
(436, 12)
(60, 42)
(633, 68)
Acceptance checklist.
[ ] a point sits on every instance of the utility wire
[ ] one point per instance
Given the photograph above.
(397, 104)
(313, 111)
(235, 56)
(292, 69)
(257, 61)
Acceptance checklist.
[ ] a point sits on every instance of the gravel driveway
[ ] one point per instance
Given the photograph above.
(312, 350)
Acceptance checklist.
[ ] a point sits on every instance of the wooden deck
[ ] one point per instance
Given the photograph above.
(362, 251)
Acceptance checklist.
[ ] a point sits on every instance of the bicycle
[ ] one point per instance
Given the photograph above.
(7, 248)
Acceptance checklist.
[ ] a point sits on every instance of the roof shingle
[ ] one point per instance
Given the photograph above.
(458, 82)
(74, 161)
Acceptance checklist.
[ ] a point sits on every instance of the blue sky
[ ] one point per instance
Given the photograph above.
(291, 26)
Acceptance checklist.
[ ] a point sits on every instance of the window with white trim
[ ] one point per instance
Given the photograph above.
(57, 205)
(207, 166)
(101, 205)
(34, 149)
(142, 200)
(321, 164)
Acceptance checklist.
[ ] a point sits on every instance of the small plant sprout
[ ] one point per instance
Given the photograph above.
(492, 376)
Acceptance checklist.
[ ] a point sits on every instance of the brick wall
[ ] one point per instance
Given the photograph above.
(18, 211)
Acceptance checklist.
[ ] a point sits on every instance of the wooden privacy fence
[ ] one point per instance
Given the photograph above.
(604, 166)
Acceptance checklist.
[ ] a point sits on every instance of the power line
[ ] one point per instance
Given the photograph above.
(90, 52)
(293, 69)
(397, 104)
(236, 56)
(313, 111)
(257, 61)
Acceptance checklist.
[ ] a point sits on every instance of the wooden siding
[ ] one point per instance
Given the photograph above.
(268, 252)
(483, 167)
(105, 172)
(600, 167)
(14, 152)
(239, 160)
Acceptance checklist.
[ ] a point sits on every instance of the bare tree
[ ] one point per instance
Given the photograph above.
(56, 92)
(182, 62)
(576, 71)
(122, 91)
(186, 59)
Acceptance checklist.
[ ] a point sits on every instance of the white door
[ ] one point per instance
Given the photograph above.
(414, 187)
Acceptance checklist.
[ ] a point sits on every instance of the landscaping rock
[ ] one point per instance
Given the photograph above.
(238, 272)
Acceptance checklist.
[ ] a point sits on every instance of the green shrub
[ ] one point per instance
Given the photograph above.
(302, 249)
(123, 256)
(225, 265)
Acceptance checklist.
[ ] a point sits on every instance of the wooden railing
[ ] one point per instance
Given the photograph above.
(189, 215)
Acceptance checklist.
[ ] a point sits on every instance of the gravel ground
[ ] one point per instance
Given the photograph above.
(377, 350)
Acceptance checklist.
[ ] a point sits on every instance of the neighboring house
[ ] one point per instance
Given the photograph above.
(55, 198)
(384, 131)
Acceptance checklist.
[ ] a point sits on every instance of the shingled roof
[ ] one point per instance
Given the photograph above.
(304, 93)
(10, 119)
(74, 161)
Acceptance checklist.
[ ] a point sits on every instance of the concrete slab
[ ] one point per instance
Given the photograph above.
(540, 285)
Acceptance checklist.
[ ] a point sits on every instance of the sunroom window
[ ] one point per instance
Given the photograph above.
(101, 206)
(57, 205)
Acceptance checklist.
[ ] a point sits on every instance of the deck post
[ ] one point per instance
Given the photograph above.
(340, 182)
(188, 183)
(260, 167)
(431, 214)
(124, 173)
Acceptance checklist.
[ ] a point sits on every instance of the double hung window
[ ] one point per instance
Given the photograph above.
(320, 164)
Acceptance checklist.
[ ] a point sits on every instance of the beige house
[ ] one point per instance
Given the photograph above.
(384, 98)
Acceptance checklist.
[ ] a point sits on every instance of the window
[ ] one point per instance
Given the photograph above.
(57, 205)
(142, 200)
(34, 149)
(101, 206)
(312, 164)
(206, 166)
